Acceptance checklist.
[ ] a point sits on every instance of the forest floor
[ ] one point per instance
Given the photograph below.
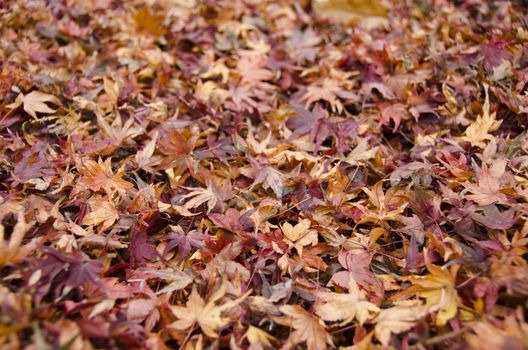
(243, 174)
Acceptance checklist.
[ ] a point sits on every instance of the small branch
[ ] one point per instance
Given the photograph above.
(341, 330)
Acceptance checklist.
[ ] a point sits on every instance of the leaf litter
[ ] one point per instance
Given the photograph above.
(323, 174)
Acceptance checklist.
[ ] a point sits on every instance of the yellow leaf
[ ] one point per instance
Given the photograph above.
(207, 315)
(294, 233)
(210, 91)
(349, 10)
(258, 337)
(479, 131)
(103, 212)
(375, 234)
(438, 289)
(387, 205)
(361, 153)
(99, 175)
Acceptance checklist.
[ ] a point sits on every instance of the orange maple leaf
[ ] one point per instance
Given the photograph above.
(98, 176)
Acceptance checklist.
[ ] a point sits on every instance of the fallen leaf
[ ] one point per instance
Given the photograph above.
(35, 102)
(438, 289)
(345, 307)
(479, 131)
(207, 315)
(13, 251)
(349, 10)
(306, 328)
(398, 319)
(103, 213)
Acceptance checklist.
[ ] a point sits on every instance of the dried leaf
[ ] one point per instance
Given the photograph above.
(306, 328)
(35, 102)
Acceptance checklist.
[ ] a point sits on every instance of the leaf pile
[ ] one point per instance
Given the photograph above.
(263, 174)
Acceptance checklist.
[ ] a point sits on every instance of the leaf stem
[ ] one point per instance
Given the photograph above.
(187, 337)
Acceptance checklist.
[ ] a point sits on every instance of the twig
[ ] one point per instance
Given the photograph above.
(341, 330)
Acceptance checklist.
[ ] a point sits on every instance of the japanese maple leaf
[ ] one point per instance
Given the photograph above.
(373, 81)
(358, 269)
(398, 319)
(299, 235)
(13, 251)
(148, 23)
(457, 166)
(145, 159)
(260, 339)
(183, 241)
(247, 98)
(217, 190)
(108, 100)
(78, 267)
(386, 205)
(438, 289)
(361, 153)
(479, 131)
(493, 218)
(270, 177)
(252, 69)
(34, 51)
(33, 164)
(139, 309)
(414, 260)
(490, 182)
(265, 175)
(302, 46)
(232, 220)
(99, 176)
(395, 112)
(345, 307)
(222, 149)
(256, 146)
(207, 315)
(210, 91)
(307, 328)
(176, 145)
(83, 270)
(140, 248)
(328, 90)
(494, 53)
(349, 10)
(117, 132)
(312, 123)
(224, 263)
(35, 102)
(103, 213)
(488, 335)
(177, 279)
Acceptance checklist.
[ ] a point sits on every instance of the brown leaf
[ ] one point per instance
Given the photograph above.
(100, 176)
(306, 328)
